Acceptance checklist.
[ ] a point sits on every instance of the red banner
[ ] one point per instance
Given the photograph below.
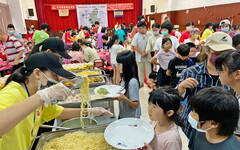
(120, 6)
(63, 6)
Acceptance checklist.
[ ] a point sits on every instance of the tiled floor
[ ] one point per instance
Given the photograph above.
(143, 100)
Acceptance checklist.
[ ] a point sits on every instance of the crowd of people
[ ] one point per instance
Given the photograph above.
(193, 75)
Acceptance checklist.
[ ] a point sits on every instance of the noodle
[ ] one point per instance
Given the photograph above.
(79, 141)
(85, 98)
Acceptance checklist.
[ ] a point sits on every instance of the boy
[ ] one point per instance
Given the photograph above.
(214, 115)
(178, 64)
(105, 42)
(192, 54)
(152, 80)
(14, 50)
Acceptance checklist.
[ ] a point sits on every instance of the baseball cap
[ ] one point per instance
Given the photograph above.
(219, 41)
(49, 61)
(225, 21)
(56, 45)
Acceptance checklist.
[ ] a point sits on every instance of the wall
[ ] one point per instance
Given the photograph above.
(5, 18)
(17, 15)
(199, 14)
(26, 4)
(4, 1)
(173, 5)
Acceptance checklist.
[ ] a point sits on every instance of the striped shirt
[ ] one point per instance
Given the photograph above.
(164, 58)
(205, 80)
(12, 47)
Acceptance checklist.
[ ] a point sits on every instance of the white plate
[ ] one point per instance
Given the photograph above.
(112, 89)
(128, 133)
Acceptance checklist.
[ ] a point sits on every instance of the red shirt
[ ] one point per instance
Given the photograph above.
(29, 37)
(87, 34)
(3, 56)
(67, 37)
(184, 36)
(95, 29)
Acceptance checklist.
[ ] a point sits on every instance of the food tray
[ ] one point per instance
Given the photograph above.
(48, 136)
(101, 72)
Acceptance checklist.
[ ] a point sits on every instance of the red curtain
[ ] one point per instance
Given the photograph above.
(62, 23)
(40, 11)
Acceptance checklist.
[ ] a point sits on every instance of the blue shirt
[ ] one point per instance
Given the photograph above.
(200, 73)
(121, 34)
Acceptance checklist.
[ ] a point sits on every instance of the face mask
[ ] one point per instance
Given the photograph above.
(238, 32)
(213, 58)
(155, 32)
(189, 28)
(50, 82)
(10, 32)
(225, 29)
(196, 36)
(164, 33)
(194, 123)
(119, 28)
(30, 32)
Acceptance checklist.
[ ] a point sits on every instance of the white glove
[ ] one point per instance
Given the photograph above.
(56, 92)
(98, 111)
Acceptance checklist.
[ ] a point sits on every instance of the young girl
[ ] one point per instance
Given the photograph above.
(163, 105)
(129, 101)
(114, 50)
(163, 57)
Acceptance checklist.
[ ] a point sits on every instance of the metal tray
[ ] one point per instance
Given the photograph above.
(101, 72)
(48, 136)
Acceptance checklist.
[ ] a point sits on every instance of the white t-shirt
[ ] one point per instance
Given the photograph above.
(114, 50)
(189, 41)
(158, 44)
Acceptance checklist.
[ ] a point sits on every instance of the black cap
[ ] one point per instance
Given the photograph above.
(49, 61)
(56, 45)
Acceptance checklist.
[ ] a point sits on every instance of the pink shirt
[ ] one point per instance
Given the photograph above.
(76, 56)
(134, 31)
(169, 140)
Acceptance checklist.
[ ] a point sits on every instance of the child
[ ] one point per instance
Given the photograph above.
(105, 42)
(164, 57)
(74, 36)
(114, 50)
(228, 67)
(163, 105)
(214, 115)
(178, 64)
(192, 54)
(129, 101)
(152, 80)
(77, 56)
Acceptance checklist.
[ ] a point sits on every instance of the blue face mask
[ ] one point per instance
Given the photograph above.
(10, 32)
(238, 32)
(225, 29)
(194, 124)
(164, 33)
(155, 32)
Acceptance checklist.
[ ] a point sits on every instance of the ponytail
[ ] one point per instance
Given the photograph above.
(112, 40)
(19, 76)
(36, 49)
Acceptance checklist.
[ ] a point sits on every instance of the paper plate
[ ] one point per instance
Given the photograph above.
(129, 133)
(112, 89)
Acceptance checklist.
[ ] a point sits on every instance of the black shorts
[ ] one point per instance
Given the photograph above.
(162, 78)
